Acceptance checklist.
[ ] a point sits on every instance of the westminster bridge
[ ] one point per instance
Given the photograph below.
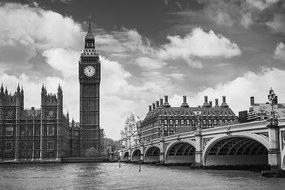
(252, 143)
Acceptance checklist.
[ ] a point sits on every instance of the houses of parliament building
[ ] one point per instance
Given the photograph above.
(46, 134)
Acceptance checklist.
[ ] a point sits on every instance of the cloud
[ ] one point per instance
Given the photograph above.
(246, 12)
(280, 51)
(123, 41)
(63, 60)
(261, 4)
(149, 63)
(277, 24)
(239, 90)
(199, 44)
(28, 31)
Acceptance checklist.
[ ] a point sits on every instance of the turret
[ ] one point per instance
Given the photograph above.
(2, 90)
(18, 90)
(59, 99)
(43, 95)
(6, 91)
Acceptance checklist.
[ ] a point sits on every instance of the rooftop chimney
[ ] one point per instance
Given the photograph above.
(224, 104)
(153, 106)
(216, 102)
(205, 99)
(166, 104)
(251, 100)
(161, 102)
(184, 104)
(210, 103)
(157, 104)
(149, 107)
(206, 104)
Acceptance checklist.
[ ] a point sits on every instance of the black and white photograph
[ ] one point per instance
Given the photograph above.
(142, 94)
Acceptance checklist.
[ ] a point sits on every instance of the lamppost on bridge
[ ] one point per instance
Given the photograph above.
(274, 158)
(272, 121)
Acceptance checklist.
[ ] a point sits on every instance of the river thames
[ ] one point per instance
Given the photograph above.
(109, 176)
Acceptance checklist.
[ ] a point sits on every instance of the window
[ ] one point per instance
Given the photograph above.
(76, 133)
(210, 122)
(171, 122)
(50, 130)
(215, 122)
(176, 122)
(182, 122)
(9, 131)
(9, 146)
(165, 128)
(204, 122)
(50, 145)
(165, 122)
(187, 122)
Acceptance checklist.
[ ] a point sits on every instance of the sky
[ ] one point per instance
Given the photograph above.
(148, 49)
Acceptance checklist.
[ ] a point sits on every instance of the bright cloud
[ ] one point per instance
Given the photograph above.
(27, 31)
(280, 51)
(200, 44)
(239, 90)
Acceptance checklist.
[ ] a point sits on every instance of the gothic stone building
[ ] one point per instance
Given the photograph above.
(163, 120)
(30, 135)
(89, 79)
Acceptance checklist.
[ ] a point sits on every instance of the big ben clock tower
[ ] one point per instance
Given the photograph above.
(89, 79)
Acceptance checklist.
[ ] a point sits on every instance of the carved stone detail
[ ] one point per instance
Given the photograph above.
(264, 135)
(206, 140)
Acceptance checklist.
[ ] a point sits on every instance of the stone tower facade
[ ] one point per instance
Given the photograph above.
(33, 135)
(89, 79)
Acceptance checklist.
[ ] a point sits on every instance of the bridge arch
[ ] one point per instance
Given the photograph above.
(152, 154)
(180, 152)
(126, 156)
(245, 149)
(136, 155)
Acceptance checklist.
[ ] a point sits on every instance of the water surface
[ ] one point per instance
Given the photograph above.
(109, 176)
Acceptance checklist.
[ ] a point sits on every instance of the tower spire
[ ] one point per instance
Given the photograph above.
(89, 32)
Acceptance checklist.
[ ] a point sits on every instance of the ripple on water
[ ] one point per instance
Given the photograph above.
(110, 176)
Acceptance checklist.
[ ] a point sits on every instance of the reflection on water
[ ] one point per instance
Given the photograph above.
(110, 176)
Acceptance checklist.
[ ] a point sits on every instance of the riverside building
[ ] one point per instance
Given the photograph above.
(30, 135)
(164, 120)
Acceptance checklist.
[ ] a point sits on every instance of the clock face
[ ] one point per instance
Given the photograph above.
(89, 71)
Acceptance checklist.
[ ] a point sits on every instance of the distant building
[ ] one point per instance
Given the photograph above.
(33, 134)
(261, 111)
(163, 120)
(130, 135)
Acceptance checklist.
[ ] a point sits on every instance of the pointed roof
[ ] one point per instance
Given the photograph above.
(89, 33)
